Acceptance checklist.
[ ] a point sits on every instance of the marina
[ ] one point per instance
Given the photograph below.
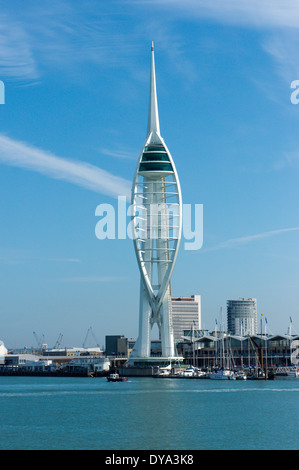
(225, 374)
(93, 362)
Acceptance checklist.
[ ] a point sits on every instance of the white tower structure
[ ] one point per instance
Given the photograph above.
(157, 226)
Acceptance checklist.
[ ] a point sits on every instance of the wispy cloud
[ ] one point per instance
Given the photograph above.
(121, 154)
(16, 57)
(63, 260)
(61, 35)
(235, 242)
(289, 160)
(18, 256)
(276, 20)
(266, 13)
(13, 255)
(23, 155)
(283, 46)
(172, 44)
(88, 279)
(67, 34)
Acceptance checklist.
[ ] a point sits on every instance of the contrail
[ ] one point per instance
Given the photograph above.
(249, 238)
(23, 155)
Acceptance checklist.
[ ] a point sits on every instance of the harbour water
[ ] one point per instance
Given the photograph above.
(146, 414)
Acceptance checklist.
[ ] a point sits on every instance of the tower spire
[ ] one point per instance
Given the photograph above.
(153, 116)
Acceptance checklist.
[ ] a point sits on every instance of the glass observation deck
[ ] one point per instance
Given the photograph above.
(155, 159)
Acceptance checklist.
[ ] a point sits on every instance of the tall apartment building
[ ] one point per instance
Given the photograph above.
(242, 317)
(186, 314)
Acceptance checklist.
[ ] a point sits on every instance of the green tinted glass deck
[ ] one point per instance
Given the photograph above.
(154, 148)
(155, 166)
(155, 156)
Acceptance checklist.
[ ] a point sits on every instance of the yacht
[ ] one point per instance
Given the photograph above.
(189, 372)
(222, 374)
(163, 371)
(286, 371)
(240, 375)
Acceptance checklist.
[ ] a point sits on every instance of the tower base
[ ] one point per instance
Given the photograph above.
(145, 366)
(152, 361)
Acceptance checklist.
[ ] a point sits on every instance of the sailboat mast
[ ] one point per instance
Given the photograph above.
(262, 362)
(290, 341)
(216, 345)
(242, 344)
(223, 354)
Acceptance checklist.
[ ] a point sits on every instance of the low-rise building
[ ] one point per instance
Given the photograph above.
(231, 350)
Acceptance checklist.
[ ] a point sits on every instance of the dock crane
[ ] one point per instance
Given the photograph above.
(58, 342)
(40, 341)
(90, 331)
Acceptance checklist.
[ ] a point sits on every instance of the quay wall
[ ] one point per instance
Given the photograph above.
(135, 371)
(52, 373)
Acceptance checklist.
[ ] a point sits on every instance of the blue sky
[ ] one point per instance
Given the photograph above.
(76, 78)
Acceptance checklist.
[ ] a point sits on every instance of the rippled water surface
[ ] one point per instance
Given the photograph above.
(148, 414)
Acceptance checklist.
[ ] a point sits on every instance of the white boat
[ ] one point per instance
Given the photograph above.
(286, 371)
(222, 374)
(163, 371)
(241, 375)
(189, 372)
(201, 374)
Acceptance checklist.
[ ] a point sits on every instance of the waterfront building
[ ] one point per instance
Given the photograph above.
(157, 226)
(112, 343)
(32, 364)
(124, 346)
(242, 317)
(20, 360)
(71, 352)
(118, 345)
(211, 350)
(91, 364)
(186, 315)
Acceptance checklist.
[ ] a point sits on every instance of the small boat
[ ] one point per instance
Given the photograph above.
(222, 374)
(189, 372)
(116, 378)
(163, 371)
(260, 374)
(292, 372)
(200, 374)
(240, 375)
